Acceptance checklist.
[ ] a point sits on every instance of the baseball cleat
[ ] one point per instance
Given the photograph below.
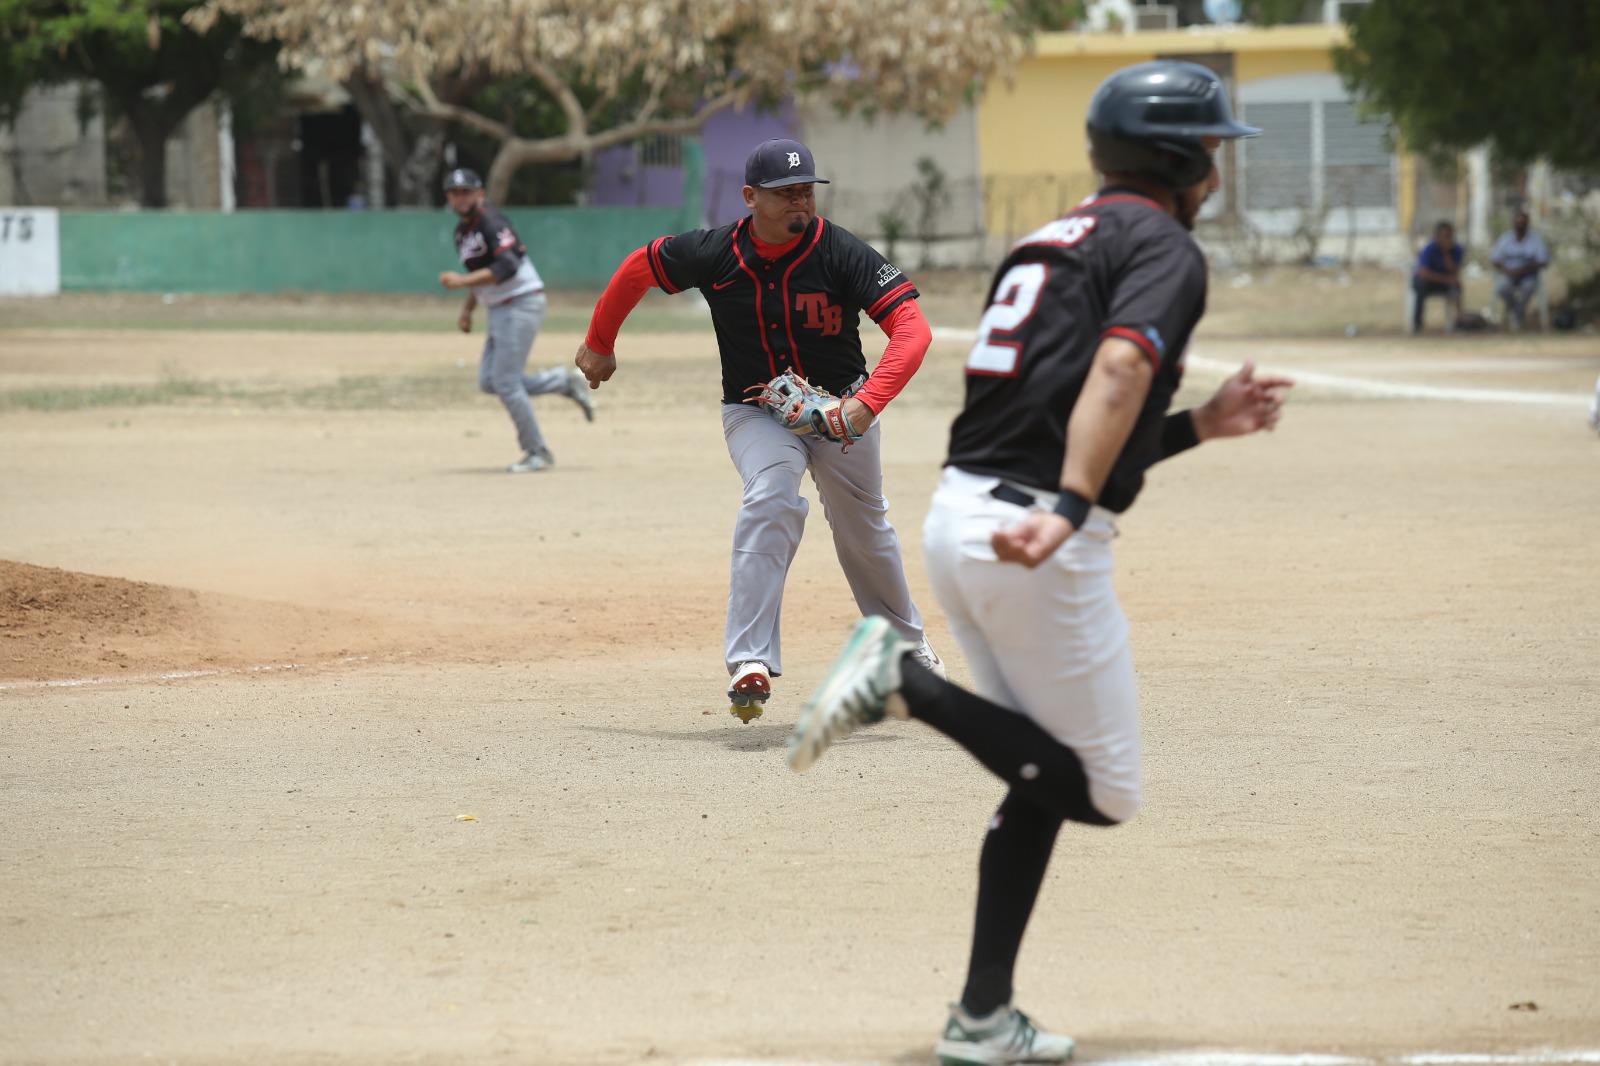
(1004, 1038)
(533, 462)
(578, 389)
(751, 686)
(929, 659)
(746, 714)
(857, 692)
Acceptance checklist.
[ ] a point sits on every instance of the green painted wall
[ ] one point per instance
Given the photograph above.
(344, 251)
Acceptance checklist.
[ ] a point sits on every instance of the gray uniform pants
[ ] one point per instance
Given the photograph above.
(512, 328)
(771, 460)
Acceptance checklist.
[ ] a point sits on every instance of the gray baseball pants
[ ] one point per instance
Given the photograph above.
(512, 327)
(771, 461)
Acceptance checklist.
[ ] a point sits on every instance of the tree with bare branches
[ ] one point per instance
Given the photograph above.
(625, 69)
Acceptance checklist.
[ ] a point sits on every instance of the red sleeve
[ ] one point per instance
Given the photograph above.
(909, 337)
(628, 286)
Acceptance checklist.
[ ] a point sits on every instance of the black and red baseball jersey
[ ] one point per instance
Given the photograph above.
(797, 312)
(486, 238)
(1117, 266)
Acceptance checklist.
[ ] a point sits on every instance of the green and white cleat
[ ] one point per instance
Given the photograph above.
(1005, 1038)
(857, 692)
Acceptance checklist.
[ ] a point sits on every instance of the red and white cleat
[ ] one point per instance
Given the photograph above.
(749, 689)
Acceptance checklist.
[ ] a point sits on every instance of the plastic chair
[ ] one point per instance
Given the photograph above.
(1541, 298)
(1411, 303)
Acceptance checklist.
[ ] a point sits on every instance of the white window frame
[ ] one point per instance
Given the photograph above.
(1331, 10)
(1315, 91)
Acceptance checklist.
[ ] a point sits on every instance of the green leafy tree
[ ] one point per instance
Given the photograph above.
(615, 71)
(152, 68)
(22, 61)
(1273, 12)
(1047, 16)
(1522, 78)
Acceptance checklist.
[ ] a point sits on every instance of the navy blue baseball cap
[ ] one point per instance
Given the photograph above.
(462, 178)
(780, 162)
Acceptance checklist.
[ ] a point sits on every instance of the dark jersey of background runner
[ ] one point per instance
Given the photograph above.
(798, 312)
(1126, 268)
(496, 246)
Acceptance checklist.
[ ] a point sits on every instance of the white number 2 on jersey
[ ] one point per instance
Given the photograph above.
(1014, 300)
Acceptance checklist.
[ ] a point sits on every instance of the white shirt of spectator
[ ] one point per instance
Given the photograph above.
(1514, 254)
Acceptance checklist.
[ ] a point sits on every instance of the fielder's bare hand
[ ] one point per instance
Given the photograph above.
(858, 414)
(452, 279)
(595, 367)
(464, 320)
(1032, 540)
(1243, 404)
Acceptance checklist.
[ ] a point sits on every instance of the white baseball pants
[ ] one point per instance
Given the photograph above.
(1050, 643)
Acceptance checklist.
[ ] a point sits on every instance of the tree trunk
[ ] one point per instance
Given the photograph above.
(152, 134)
(517, 152)
(400, 149)
(419, 175)
(412, 143)
(506, 162)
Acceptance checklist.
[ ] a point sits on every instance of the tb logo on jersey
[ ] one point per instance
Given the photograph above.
(820, 314)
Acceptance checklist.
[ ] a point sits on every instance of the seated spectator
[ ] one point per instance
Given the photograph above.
(1438, 273)
(1519, 255)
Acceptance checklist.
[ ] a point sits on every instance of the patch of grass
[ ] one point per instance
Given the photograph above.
(386, 392)
(392, 392)
(319, 313)
(556, 322)
(440, 388)
(167, 392)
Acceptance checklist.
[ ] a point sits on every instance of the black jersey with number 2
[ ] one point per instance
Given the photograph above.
(1117, 266)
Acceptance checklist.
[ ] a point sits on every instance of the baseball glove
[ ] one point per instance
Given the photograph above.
(801, 408)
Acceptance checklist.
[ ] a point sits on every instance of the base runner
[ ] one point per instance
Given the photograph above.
(1067, 390)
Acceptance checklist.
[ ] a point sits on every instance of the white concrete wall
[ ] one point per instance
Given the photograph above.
(872, 164)
(50, 158)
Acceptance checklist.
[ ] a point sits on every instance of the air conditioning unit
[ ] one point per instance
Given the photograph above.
(1148, 17)
(1336, 11)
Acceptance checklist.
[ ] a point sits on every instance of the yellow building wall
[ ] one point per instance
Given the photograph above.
(1032, 153)
(1031, 143)
(1253, 66)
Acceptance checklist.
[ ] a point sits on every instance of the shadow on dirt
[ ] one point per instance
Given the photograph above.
(754, 737)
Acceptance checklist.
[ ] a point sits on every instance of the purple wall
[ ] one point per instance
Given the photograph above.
(727, 140)
(617, 180)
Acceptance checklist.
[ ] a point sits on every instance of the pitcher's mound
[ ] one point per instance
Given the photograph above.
(58, 624)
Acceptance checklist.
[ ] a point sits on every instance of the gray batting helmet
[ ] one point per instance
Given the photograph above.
(1148, 119)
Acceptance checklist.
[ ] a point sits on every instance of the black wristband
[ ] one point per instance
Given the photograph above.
(1072, 507)
(1178, 434)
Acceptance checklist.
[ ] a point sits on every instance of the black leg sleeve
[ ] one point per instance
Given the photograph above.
(1012, 746)
(1015, 855)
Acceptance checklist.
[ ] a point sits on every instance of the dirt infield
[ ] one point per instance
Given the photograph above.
(1366, 646)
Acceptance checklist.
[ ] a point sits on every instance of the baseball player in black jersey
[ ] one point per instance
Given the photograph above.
(502, 277)
(1078, 355)
(786, 289)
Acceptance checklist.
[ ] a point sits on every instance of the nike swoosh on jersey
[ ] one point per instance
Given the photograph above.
(724, 285)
